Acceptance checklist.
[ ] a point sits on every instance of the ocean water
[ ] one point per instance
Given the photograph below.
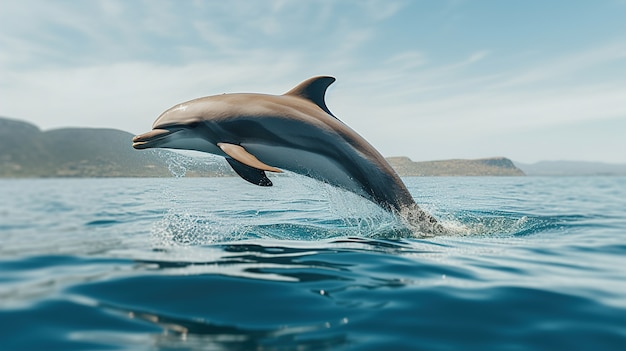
(530, 263)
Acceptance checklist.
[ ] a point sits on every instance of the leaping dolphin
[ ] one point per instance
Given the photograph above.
(294, 131)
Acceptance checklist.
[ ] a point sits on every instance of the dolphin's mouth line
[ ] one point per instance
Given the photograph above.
(149, 139)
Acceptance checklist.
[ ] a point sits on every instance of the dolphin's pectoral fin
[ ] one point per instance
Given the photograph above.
(253, 175)
(240, 154)
(246, 165)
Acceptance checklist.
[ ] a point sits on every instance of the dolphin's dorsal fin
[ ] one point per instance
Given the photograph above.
(314, 90)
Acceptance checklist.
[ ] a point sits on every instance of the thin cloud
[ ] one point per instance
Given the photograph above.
(555, 68)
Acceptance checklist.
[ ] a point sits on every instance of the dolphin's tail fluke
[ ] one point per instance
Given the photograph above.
(419, 222)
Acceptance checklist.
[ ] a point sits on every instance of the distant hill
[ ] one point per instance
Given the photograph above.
(572, 168)
(495, 166)
(26, 151)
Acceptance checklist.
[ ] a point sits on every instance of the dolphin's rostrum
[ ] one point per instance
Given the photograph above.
(259, 133)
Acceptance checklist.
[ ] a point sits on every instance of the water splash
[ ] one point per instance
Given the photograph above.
(298, 208)
(355, 215)
(498, 224)
(301, 208)
(183, 228)
(184, 224)
(179, 164)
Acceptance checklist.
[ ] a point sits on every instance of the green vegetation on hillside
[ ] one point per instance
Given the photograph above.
(26, 151)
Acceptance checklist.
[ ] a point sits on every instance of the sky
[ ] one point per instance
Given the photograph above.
(431, 80)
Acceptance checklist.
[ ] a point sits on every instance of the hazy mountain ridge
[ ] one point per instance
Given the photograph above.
(572, 168)
(27, 151)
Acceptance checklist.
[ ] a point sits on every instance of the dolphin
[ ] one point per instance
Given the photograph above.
(259, 133)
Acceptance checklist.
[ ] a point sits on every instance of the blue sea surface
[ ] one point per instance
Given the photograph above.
(530, 263)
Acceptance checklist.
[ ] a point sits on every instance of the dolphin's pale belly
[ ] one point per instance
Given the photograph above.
(307, 163)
